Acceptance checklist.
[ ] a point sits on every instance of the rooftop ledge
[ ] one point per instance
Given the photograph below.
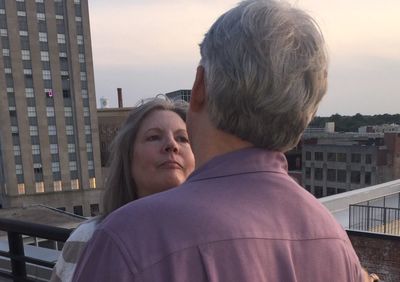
(338, 204)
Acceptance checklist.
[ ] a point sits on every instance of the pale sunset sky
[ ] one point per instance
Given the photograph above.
(148, 47)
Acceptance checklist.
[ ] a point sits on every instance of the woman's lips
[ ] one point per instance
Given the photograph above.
(171, 165)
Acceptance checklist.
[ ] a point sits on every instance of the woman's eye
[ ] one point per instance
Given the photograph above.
(153, 138)
(183, 139)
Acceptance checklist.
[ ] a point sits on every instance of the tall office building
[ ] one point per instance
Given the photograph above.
(49, 147)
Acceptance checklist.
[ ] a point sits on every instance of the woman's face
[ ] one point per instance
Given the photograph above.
(162, 157)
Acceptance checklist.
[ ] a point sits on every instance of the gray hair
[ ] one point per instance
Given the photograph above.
(120, 187)
(265, 68)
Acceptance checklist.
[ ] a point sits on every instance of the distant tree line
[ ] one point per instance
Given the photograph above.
(352, 123)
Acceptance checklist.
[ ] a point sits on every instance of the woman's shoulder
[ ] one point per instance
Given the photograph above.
(85, 230)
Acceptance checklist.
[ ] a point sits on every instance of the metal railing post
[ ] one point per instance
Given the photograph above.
(16, 246)
(384, 220)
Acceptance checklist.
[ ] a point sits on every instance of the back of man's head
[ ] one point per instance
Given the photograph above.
(265, 72)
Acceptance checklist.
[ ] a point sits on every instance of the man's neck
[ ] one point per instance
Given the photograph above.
(216, 143)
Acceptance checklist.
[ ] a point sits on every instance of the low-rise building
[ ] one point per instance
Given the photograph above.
(340, 162)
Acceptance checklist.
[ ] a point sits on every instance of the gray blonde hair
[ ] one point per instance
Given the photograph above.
(265, 68)
(120, 185)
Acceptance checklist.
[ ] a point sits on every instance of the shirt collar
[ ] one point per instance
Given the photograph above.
(241, 161)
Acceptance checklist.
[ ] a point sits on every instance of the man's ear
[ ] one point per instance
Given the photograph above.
(198, 95)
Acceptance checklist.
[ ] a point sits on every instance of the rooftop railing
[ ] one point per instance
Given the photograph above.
(381, 215)
(16, 254)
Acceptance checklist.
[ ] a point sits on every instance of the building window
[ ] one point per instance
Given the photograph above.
(57, 186)
(14, 130)
(42, 36)
(85, 111)
(10, 90)
(92, 183)
(46, 75)
(37, 168)
(340, 190)
(61, 38)
(331, 175)
(341, 175)
(50, 111)
(78, 210)
(18, 169)
(81, 58)
(90, 165)
(41, 17)
(341, 157)
(33, 130)
(308, 172)
(17, 150)
(52, 130)
(28, 72)
(21, 13)
(35, 150)
(368, 159)
(21, 189)
(44, 56)
(79, 39)
(308, 156)
(330, 191)
(3, 32)
(87, 130)
(355, 158)
(55, 166)
(69, 129)
(331, 157)
(53, 149)
(72, 166)
(29, 93)
(94, 210)
(319, 156)
(39, 187)
(67, 111)
(89, 147)
(26, 55)
(367, 178)
(64, 74)
(84, 93)
(318, 173)
(71, 148)
(355, 177)
(6, 53)
(83, 76)
(74, 184)
(318, 192)
(23, 33)
(31, 112)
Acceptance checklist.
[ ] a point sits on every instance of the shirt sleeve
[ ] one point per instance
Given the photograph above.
(73, 247)
(103, 260)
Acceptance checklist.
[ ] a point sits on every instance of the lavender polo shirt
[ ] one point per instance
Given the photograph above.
(240, 217)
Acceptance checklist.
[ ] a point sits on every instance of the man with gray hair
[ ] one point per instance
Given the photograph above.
(239, 216)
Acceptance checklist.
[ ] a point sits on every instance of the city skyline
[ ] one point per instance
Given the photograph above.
(151, 47)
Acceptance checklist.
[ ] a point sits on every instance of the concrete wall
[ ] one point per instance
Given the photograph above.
(378, 253)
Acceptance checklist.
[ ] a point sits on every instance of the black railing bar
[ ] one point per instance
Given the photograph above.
(13, 278)
(35, 229)
(28, 259)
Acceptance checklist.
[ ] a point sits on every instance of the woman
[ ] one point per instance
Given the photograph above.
(150, 154)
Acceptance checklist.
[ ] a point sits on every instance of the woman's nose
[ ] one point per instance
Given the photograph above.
(171, 145)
